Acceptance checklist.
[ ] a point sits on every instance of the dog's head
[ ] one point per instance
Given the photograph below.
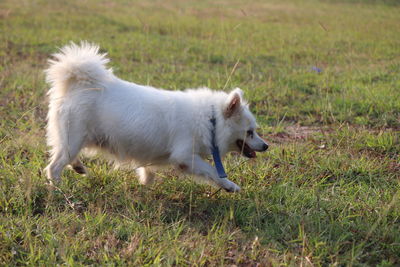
(243, 136)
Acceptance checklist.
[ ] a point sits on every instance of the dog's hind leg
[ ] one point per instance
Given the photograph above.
(59, 160)
(146, 176)
(66, 140)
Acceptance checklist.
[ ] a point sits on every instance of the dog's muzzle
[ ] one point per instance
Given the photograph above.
(247, 151)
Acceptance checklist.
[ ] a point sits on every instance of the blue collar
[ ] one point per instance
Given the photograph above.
(215, 149)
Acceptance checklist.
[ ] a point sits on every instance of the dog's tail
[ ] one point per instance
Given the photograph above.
(77, 65)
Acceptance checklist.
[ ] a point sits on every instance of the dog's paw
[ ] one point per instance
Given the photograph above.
(232, 187)
(80, 169)
(145, 176)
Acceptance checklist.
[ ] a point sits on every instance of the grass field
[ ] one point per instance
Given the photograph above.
(323, 78)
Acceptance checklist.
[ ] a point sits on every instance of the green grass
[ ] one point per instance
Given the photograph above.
(327, 192)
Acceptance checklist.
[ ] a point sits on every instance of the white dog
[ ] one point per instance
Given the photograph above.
(91, 108)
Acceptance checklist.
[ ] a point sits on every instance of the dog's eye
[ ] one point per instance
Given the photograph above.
(250, 133)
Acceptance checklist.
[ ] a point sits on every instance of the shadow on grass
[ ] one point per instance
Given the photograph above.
(323, 227)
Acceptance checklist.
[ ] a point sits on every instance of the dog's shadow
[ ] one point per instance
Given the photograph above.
(253, 213)
(203, 208)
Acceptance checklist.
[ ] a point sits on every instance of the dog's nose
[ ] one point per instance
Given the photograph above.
(265, 147)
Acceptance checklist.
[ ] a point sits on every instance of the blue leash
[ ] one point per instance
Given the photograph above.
(215, 149)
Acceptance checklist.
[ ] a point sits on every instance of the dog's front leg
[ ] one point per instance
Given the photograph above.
(197, 166)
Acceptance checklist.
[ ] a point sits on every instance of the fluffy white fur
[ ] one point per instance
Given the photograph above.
(91, 108)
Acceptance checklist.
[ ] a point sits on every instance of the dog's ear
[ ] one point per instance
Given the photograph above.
(233, 102)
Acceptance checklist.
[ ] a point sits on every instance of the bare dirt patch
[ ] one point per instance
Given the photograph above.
(295, 133)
